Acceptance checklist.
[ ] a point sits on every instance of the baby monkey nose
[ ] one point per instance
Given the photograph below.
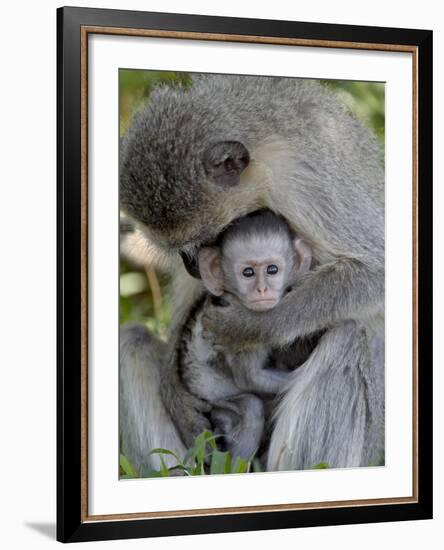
(262, 290)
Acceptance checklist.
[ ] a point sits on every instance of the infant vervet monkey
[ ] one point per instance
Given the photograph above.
(257, 260)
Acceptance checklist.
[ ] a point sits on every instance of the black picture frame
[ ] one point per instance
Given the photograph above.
(72, 524)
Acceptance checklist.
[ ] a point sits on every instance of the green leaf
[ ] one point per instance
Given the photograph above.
(161, 451)
(211, 440)
(151, 473)
(197, 470)
(190, 456)
(164, 471)
(220, 462)
(256, 465)
(240, 466)
(198, 453)
(179, 467)
(132, 283)
(127, 467)
(199, 445)
(321, 466)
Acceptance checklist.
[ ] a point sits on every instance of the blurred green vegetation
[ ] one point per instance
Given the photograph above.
(141, 303)
(202, 458)
(365, 100)
(135, 87)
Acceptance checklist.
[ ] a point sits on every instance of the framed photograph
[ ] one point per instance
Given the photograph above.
(244, 274)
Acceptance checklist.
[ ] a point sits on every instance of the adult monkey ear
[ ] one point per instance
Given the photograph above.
(190, 263)
(224, 162)
(211, 270)
(303, 256)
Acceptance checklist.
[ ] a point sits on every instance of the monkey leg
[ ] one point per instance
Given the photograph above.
(333, 409)
(144, 422)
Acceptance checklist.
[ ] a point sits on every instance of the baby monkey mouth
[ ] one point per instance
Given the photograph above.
(260, 305)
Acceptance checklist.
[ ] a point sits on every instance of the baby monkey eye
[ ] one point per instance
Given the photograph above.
(248, 272)
(272, 269)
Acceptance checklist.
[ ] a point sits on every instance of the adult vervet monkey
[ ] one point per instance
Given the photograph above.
(196, 159)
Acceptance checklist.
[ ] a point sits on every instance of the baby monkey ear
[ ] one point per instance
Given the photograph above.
(224, 162)
(302, 256)
(211, 270)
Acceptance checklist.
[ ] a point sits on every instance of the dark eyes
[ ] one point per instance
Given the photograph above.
(271, 270)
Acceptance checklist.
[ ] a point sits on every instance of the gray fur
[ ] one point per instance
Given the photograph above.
(261, 223)
(330, 402)
(141, 409)
(222, 379)
(241, 419)
(321, 170)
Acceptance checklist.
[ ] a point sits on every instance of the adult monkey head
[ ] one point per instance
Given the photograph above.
(196, 158)
(190, 164)
(194, 200)
(184, 172)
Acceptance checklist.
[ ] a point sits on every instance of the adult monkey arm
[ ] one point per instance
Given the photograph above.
(335, 292)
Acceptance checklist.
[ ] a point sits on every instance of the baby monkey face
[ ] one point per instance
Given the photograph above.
(257, 261)
(260, 281)
(257, 269)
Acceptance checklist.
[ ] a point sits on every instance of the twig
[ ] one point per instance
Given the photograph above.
(155, 290)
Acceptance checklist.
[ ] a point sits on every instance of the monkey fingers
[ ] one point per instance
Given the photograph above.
(190, 418)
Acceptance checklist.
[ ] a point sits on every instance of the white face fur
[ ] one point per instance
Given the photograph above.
(258, 270)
